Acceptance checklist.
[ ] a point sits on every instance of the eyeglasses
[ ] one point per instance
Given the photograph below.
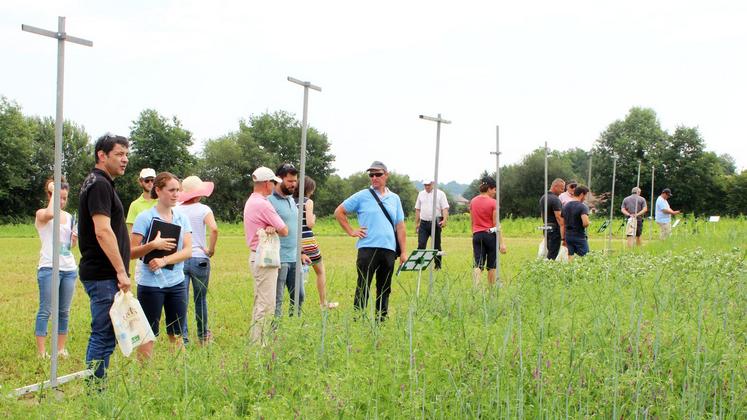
(375, 174)
(148, 180)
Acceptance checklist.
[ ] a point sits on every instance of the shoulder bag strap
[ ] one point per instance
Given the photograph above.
(386, 214)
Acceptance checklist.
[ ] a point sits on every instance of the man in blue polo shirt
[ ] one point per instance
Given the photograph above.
(381, 237)
(282, 200)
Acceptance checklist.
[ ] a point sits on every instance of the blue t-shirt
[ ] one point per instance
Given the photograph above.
(286, 208)
(142, 224)
(379, 233)
(662, 217)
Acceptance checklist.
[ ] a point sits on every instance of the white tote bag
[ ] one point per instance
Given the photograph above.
(268, 250)
(131, 327)
(562, 254)
(541, 250)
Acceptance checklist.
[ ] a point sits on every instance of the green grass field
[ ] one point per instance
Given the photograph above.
(654, 332)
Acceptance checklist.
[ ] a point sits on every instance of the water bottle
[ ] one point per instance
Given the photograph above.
(305, 271)
(160, 278)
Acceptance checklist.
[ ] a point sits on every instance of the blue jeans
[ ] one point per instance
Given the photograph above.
(102, 341)
(172, 301)
(67, 287)
(197, 270)
(287, 279)
(577, 245)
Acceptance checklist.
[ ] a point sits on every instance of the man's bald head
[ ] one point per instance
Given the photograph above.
(557, 186)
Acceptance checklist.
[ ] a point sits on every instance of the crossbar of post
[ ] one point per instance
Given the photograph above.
(61, 36)
(301, 183)
(498, 231)
(438, 120)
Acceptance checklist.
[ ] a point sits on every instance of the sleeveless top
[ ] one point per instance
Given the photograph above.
(67, 260)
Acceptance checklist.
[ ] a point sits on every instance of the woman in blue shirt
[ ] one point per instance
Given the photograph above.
(161, 282)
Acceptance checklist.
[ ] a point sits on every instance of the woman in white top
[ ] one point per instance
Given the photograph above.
(197, 268)
(68, 269)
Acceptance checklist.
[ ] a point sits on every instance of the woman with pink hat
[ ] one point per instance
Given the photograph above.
(197, 268)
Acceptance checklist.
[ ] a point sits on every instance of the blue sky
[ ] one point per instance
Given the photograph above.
(544, 71)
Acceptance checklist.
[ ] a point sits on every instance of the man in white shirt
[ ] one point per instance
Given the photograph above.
(425, 215)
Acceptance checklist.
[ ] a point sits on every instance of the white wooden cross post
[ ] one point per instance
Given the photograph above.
(61, 36)
(301, 180)
(434, 219)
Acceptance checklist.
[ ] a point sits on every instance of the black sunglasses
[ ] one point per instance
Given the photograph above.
(375, 174)
(148, 179)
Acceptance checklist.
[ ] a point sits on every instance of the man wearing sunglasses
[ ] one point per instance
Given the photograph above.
(143, 202)
(381, 237)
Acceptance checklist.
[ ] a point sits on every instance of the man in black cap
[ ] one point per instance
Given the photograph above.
(381, 237)
(664, 213)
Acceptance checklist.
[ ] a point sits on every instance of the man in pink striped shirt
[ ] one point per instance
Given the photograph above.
(259, 214)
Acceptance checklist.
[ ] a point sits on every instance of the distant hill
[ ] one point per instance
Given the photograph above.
(453, 187)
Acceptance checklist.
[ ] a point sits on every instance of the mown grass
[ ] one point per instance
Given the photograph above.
(654, 332)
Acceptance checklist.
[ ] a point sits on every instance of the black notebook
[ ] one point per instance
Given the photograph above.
(168, 230)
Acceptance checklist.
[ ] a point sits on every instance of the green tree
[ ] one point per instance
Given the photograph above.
(16, 163)
(736, 194)
(398, 183)
(329, 195)
(159, 143)
(278, 134)
(77, 157)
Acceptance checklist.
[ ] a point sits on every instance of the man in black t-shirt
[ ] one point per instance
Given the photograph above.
(104, 246)
(576, 217)
(555, 225)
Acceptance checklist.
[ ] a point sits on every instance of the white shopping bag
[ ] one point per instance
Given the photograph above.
(131, 327)
(268, 250)
(541, 250)
(562, 254)
(631, 226)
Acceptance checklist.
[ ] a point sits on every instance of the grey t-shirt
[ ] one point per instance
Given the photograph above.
(634, 203)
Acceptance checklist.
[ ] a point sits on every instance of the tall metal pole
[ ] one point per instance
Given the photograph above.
(651, 218)
(434, 218)
(638, 180)
(301, 182)
(588, 181)
(547, 248)
(61, 37)
(612, 203)
(498, 231)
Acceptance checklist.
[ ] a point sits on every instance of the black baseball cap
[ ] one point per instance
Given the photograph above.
(666, 191)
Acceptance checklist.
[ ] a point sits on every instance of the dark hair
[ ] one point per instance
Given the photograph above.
(106, 143)
(571, 184)
(285, 169)
(160, 182)
(63, 184)
(486, 184)
(580, 189)
(309, 185)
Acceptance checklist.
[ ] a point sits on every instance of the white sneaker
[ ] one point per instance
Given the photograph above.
(63, 354)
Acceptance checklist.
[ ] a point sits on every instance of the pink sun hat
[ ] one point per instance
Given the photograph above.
(193, 186)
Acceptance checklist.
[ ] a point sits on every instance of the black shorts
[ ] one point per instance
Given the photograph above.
(483, 249)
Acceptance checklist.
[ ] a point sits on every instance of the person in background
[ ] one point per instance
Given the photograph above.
(197, 268)
(425, 215)
(576, 216)
(555, 226)
(282, 200)
(143, 201)
(381, 237)
(482, 210)
(161, 286)
(568, 194)
(260, 215)
(309, 245)
(44, 224)
(664, 213)
(634, 207)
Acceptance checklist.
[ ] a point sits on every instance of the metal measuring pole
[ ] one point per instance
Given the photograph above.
(638, 185)
(651, 218)
(612, 204)
(588, 181)
(544, 228)
(61, 36)
(301, 182)
(434, 218)
(498, 231)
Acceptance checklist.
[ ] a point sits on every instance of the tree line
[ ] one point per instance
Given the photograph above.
(702, 181)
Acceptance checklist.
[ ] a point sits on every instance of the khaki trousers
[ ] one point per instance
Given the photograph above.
(265, 284)
(665, 229)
